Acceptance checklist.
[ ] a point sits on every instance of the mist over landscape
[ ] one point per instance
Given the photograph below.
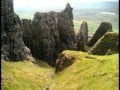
(94, 12)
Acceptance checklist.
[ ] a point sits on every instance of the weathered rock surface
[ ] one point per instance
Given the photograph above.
(103, 28)
(43, 43)
(63, 61)
(82, 37)
(16, 44)
(26, 25)
(108, 44)
(49, 34)
(7, 25)
(11, 33)
(65, 27)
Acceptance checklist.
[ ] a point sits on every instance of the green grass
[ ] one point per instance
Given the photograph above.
(25, 75)
(89, 72)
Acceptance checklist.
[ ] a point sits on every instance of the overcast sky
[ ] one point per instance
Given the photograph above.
(49, 4)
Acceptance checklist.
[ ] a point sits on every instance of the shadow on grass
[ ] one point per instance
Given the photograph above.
(42, 64)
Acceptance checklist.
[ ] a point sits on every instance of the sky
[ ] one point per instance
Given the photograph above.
(50, 4)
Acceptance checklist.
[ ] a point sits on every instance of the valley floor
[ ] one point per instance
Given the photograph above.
(89, 72)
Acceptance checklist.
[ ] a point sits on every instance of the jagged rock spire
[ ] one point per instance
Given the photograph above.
(68, 5)
(82, 37)
(52, 33)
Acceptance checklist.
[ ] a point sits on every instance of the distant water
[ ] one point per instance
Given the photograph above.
(108, 13)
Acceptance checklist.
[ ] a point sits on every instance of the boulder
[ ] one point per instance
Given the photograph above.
(103, 28)
(63, 61)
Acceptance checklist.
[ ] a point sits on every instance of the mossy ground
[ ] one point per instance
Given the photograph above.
(25, 75)
(89, 72)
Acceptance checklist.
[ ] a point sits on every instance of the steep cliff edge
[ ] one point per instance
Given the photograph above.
(12, 44)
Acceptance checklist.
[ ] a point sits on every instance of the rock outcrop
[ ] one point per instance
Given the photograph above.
(82, 37)
(103, 28)
(63, 61)
(49, 34)
(16, 44)
(26, 25)
(106, 45)
(11, 33)
(65, 28)
(43, 43)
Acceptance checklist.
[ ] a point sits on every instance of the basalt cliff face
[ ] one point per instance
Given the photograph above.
(12, 44)
(48, 34)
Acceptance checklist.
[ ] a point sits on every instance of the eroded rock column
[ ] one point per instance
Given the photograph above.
(103, 28)
(82, 37)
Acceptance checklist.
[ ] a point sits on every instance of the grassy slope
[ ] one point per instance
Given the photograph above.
(25, 75)
(89, 72)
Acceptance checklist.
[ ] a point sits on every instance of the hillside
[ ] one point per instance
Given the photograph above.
(25, 75)
(43, 53)
(89, 72)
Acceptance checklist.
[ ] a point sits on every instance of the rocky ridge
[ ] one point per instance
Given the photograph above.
(48, 34)
(12, 43)
(45, 36)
